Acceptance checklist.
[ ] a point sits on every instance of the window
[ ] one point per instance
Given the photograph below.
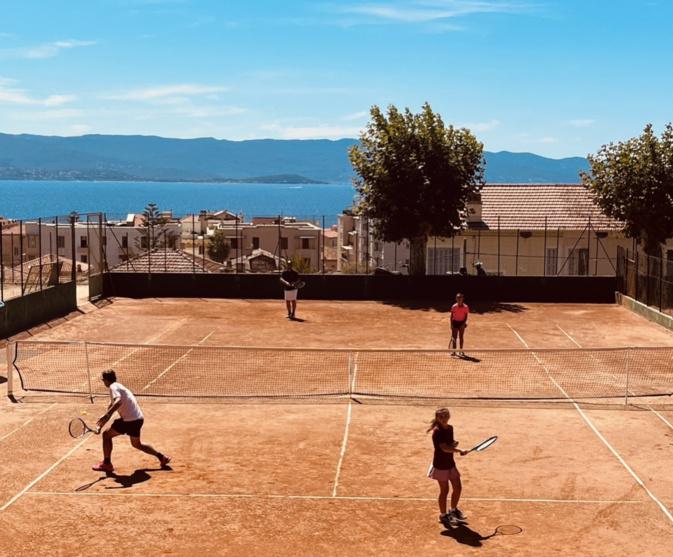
(200, 249)
(144, 242)
(83, 243)
(578, 262)
(32, 241)
(305, 243)
(84, 258)
(60, 242)
(441, 261)
(283, 242)
(233, 243)
(125, 241)
(255, 242)
(550, 263)
(16, 252)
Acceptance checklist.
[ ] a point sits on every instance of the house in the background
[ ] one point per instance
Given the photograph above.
(509, 229)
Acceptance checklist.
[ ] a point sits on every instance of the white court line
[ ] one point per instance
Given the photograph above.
(328, 497)
(176, 362)
(344, 442)
(24, 424)
(43, 474)
(599, 434)
(657, 414)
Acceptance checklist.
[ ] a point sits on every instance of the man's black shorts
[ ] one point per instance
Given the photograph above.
(132, 429)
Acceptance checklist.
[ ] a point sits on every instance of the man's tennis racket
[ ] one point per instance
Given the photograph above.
(78, 428)
(484, 444)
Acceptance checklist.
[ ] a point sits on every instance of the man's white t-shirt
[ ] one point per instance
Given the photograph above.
(129, 410)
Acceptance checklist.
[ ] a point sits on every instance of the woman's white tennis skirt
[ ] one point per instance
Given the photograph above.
(443, 475)
(290, 295)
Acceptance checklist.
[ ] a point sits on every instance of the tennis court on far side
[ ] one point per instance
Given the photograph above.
(308, 437)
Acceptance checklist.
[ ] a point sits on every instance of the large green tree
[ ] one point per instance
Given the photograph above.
(632, 181)
(415, 176)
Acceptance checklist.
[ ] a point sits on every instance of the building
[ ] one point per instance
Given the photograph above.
(509, 229)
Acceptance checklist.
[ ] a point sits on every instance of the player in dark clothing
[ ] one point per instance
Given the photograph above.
(443, 468)
(288, 278)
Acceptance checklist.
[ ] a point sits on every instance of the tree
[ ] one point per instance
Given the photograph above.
(632, 181)
(415, 176)
(156, 233)
(219, 247)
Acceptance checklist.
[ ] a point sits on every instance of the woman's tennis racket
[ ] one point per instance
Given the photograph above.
(299, 284)
(484, 444)
(77, 428)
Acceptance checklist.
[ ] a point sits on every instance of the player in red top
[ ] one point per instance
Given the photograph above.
(459, 312)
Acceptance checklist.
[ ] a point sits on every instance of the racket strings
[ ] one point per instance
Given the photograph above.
(508, 530)
(77, 428)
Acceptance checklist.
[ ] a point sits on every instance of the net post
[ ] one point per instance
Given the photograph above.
(10, 374)
(628, 371)
(88, 370)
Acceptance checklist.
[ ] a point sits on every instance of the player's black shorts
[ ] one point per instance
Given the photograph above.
(132, 429)
(457, 324)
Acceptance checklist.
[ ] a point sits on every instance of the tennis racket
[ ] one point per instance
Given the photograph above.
(484, 444)
(506, 530)
(78, 428)
(299, 284)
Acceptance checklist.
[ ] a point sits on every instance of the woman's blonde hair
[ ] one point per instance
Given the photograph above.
(435, 421)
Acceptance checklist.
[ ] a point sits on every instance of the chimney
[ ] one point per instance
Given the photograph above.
(474, 208)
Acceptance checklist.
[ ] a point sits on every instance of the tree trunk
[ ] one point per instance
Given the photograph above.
(417, 249)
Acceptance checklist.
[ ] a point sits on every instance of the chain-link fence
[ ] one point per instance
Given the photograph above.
(647, 278)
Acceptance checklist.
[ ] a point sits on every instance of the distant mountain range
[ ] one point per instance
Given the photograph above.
(140, 158)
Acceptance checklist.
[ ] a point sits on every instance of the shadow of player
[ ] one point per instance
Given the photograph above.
(129, 480)
(465, 535)
(297, 319)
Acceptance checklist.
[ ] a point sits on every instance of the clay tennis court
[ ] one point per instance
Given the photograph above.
(341, 474)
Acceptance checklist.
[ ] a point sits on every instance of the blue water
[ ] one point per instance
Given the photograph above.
(32, 199)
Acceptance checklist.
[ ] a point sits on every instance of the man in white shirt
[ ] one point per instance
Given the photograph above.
(130, 423)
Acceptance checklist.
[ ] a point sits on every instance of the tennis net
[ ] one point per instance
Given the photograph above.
(249, 373)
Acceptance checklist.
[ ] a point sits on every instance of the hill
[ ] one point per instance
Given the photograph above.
(113, 157)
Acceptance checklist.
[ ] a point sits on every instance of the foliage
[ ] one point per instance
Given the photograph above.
(300, 265)
(156, 234)
(219, 247)
(632, 181)
(415, 176)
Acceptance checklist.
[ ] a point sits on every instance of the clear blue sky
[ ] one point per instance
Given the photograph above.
(554, 77)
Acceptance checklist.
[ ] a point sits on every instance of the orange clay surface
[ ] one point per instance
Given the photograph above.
(340, 478)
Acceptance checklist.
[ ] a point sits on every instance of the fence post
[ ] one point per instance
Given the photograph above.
(498, 245)
(647, 280)
(661, 282)
(73, 271)
(39, 249)
(88, 370)
(10, 371)
(350, 375)
(516, 257)
(628, 372)
(2, 268)
(58, 261)
(544, 250)
(637, 273)
(21, 256)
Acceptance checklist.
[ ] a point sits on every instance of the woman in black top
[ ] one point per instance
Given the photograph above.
(443, 467)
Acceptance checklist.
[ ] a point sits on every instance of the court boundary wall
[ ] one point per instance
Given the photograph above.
(649, 313)
(22, 313)
(363, 287)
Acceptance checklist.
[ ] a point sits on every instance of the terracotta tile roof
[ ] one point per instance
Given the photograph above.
(524, 206)
(170, 261)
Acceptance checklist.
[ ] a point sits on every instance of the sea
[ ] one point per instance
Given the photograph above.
(26, 199)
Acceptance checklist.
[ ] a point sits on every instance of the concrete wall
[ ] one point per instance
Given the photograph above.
(365, 287)
(27, 311)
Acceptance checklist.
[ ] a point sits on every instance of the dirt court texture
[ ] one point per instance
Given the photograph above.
(322, 450)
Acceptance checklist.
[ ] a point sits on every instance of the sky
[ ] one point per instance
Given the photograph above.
(553, 77)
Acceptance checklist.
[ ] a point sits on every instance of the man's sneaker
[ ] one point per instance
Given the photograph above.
(102, 467)
(458, 516)
(445, 519)
(165, 461)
